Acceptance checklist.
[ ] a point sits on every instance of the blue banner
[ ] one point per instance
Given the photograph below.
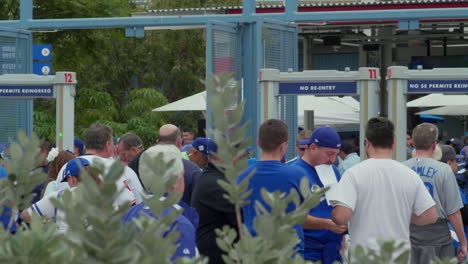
(26, 91)
(441, 86)
(318, 88)
(42, 52)
(42, 68)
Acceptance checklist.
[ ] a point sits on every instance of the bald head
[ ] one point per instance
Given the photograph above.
(170, 134)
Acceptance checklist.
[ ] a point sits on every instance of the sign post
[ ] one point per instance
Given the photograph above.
(60, 86)
(402, 81)
(364, 83)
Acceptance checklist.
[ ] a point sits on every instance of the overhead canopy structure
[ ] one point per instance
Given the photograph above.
(451, 110)
(196, 102)
(345, 104)
(432, 100)
(331, 110)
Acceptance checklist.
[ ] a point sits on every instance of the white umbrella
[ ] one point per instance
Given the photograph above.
(433, 100)
(452, 110)
(332, 119)
(196, 102)
(345, 104)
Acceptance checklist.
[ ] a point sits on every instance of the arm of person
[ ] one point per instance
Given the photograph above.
(25, 216)
(313, 222)
(456, 221)
(426, 218)
(341, 214)
(43, 207)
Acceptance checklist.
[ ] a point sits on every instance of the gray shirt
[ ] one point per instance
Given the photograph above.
(440, 182)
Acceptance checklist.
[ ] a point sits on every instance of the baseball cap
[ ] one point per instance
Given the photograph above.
(448, 153)
(204, 145)
(73, 167)
(456, 141)
(324, 137)
(80, 145)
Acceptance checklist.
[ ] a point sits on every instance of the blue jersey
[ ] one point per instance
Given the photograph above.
(317, 241)
(6, 212)
(186, 246)
(3, 173)
(273, 176)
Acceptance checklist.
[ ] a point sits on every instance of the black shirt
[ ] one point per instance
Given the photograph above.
(214, 211)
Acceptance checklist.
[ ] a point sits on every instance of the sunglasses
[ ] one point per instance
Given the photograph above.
(302, 149)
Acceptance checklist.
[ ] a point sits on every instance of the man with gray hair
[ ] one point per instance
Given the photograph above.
(434, 241)
(184, 223)
(128, 146)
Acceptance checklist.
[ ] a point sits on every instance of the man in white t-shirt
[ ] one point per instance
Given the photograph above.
(380, 197)
(99, 149)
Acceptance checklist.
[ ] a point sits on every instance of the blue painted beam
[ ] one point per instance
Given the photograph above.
(248, 7)
(291, 7)
(120, 22)
(26, 10)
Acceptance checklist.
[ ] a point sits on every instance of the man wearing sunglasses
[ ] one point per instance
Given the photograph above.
(304, 134)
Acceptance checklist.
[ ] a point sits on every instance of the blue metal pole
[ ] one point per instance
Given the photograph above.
(209, 72)
(248, 7)
(26, 10)
(291, 7)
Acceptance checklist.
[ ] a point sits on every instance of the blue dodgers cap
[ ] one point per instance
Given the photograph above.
(324, 137)
(204, 145)
(80, 145)
(73, 168)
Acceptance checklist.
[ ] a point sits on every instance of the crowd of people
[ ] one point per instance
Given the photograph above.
(418, 202)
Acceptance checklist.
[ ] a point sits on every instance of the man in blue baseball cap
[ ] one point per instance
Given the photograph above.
(322, 236)
(201, 147)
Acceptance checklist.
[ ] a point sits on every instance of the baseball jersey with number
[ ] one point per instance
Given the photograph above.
(440, 182)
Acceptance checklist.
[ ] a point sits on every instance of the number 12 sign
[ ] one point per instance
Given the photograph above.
(69, 77)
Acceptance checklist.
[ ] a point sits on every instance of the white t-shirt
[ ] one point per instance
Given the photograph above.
(132, 191)
(383, 194)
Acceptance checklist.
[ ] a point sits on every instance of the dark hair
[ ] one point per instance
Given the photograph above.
(379, 132)
(170, 138)
(97, 135)
(131, 140)
(347, 147)
(271, 134)
(46, 145)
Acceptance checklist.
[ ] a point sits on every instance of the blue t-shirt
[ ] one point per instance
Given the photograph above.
(316, 240)
(186, 245)
(6, 211)
(3, 173)
(273, 176)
